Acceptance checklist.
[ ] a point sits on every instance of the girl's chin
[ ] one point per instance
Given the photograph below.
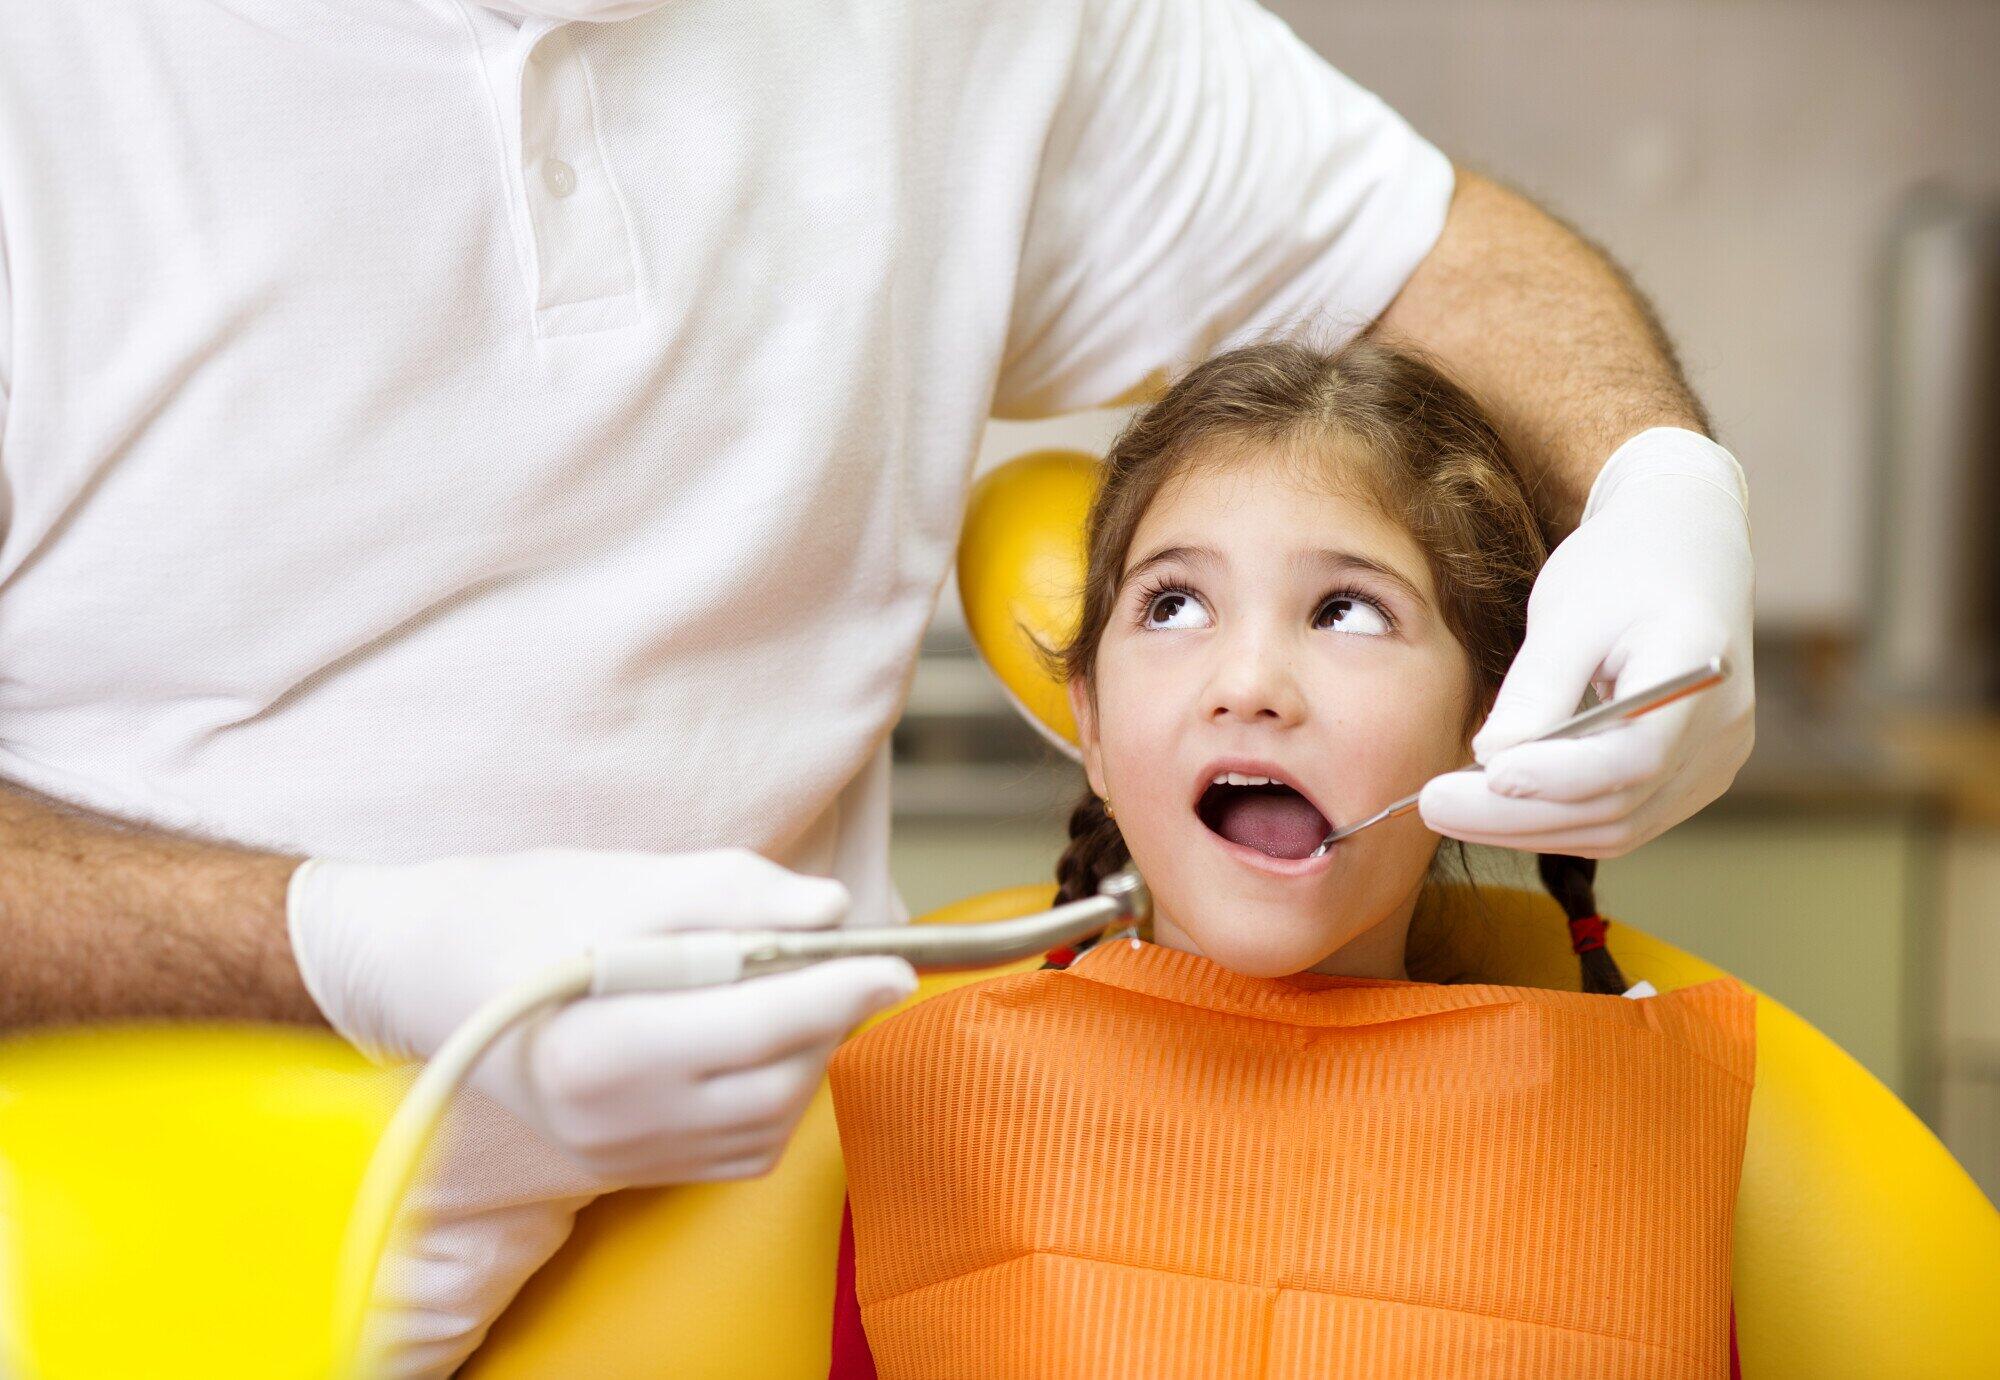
(1264, 950)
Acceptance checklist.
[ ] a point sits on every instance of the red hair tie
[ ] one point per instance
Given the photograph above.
(1586, 932)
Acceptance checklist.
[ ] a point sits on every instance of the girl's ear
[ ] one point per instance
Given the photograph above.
(1085, 714)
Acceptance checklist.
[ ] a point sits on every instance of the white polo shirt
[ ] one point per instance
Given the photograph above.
(427, 431)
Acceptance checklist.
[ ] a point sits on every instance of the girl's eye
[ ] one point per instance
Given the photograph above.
(1347, 613)
(1175, 608)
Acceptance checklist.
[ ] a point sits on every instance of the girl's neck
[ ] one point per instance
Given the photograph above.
(1377, 952)
(1374, 953)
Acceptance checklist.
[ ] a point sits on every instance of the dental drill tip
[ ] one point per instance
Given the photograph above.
(1128, 888)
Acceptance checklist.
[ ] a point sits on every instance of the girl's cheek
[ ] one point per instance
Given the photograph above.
(1421, 708)
(1390, 744)
(1384, 722)
(1137, 760)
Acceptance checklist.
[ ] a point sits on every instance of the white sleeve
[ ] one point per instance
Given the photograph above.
(6, 344)
(1207, 177)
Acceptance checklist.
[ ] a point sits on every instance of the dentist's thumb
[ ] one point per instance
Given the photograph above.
(1543, 687)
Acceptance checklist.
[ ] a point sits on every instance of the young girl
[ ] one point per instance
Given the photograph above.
(1270, 1140)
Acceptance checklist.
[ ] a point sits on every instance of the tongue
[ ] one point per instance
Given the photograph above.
(1271, 820)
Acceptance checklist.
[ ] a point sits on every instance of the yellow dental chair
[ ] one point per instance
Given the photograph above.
(174, 1196)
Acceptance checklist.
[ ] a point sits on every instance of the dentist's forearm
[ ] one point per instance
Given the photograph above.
(100, 921)
(1549, 334)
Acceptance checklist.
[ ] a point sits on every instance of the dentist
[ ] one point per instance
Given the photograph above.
(473, 483)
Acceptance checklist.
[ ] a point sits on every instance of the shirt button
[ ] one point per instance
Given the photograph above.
(560, 176)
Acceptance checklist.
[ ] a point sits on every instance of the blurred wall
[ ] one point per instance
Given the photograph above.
(1742, 158)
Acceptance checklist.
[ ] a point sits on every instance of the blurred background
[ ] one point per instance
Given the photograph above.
(1809, 191)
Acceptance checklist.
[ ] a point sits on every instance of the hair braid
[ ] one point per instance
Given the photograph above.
(1096, 850)
(1572, 881)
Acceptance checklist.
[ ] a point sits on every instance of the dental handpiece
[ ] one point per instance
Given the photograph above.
(1597, 719)
(702, 958)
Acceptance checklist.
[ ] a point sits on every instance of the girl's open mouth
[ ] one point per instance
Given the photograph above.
(1262, 813)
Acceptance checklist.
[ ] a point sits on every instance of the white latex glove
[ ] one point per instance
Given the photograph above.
(494, 1203)
(1655, 580)
(614, 1091)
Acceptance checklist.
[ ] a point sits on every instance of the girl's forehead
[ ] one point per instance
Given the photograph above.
(1255, 508)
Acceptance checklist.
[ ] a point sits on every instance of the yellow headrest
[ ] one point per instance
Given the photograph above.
(1020, 575)
(173, 1198)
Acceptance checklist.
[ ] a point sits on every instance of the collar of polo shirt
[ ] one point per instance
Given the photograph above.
(597, 11)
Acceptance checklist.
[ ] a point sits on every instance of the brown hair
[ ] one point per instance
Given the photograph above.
(1432, 460)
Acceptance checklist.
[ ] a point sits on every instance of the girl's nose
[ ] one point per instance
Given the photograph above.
(1253, 682)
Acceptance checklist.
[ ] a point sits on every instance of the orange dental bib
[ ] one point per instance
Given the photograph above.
(1150, 1166)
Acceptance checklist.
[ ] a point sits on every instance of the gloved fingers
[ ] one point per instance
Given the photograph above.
(620, 1082)
(628, 1128)
(685, 1129)
(642, 1161)
(706, 1118)
(1600, 842)
(609, 1049)
(768, 1094)
(456, 1257)
(1543, 687)
(749, 1167)
(441, 1284)
(1604, 828)
(771, 1017)
(1619, 760)
(1463, 806)
(1651, 749)
(753, 1117)
(1609, 841)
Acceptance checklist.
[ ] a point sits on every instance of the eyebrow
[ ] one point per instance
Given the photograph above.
(1329, 560)
(1186, 555)
(1348, 560)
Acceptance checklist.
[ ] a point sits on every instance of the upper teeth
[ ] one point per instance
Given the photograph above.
(1237, 778)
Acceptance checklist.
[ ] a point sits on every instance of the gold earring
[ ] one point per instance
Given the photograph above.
(1109, 813)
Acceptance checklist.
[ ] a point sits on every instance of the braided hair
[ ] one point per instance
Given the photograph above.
(1573, 882)
(1096, 850)
(1436, 462)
